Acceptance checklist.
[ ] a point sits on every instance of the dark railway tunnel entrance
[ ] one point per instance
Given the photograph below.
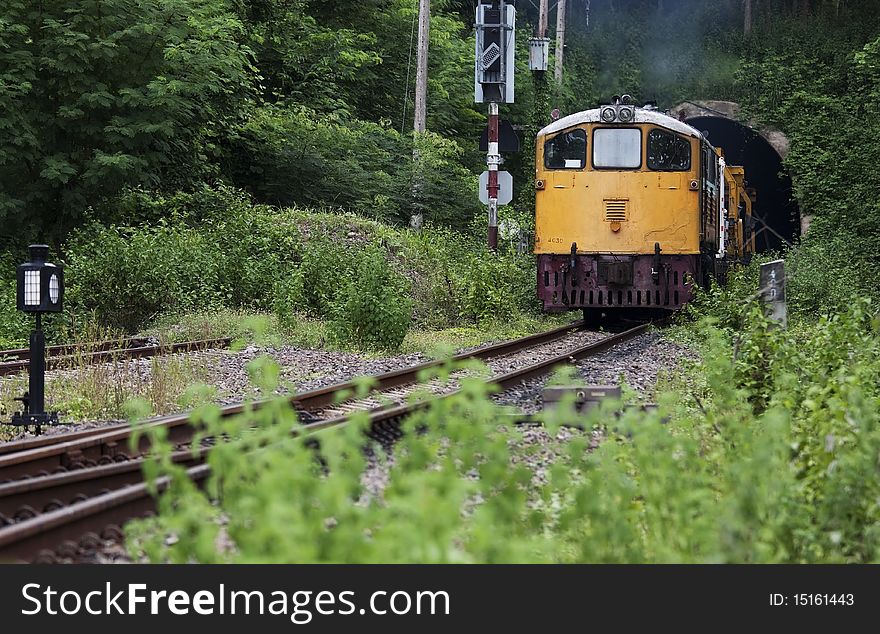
(778, 221)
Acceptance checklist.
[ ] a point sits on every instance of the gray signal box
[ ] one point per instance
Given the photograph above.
(494, 67)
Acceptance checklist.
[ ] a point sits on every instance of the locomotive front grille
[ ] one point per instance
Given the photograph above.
(616, 210)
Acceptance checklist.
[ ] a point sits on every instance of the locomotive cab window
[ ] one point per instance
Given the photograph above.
(567, 150)
(668, 152)
(617, 148)
(710, 164)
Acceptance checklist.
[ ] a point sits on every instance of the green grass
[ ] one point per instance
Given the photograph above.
(104, 391)
(439, 343)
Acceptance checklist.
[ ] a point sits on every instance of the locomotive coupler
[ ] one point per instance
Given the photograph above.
(572, 261)
(655, 266)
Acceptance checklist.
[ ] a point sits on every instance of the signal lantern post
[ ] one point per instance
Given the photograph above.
(494, 84)
(39, 289)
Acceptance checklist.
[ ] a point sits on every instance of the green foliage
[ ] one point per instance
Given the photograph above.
(14, 325)
(131, 275)
(325, 268)
(210, 248)
(729, 304)
(825, 99)
(289, 297)
(294, 155)
(352, 60)
(214, 248)
(375, 311)
(725, 471)
(496, 285)
(110, 93)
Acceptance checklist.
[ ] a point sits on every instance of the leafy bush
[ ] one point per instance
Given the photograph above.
(790, 83)
(728, 304)
(14, 325)
(824, 275)
(495, 286)
(143, 103)
(254, 241)
(293, 155)
(130, 275)
(375, 310)
(325, 269)
(214, 247)
(289, 297)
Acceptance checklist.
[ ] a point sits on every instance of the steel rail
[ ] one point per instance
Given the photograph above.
(25, 540)
(73, 348)
(99, 356)
(42, 456)
(28, 539)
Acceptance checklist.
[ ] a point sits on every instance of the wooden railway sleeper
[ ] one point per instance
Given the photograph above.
(112, 452)
(89, 544)
(24, 513)
(73, 459)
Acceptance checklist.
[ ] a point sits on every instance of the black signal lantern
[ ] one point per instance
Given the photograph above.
(39, 289)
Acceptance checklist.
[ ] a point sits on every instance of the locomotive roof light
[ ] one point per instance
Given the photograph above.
(626, 114)
(40, 284)
(622, 109)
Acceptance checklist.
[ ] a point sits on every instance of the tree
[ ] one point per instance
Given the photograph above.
(102, 94)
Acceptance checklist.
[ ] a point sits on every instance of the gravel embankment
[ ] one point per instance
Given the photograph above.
(226, 370)
(301, 369)
(637, 362)
(496, 366)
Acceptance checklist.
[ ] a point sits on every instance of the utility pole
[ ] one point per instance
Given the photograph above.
(539, 49)
(422, 65)
(543, 12)
(747, 17)
(560, 41)
(421, 108)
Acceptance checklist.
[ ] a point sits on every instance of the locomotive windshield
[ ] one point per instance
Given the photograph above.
(617, 148)
(566, 151)
(668, 152)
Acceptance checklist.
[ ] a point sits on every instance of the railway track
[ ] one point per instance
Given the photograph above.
(67, 494)
(17, 360)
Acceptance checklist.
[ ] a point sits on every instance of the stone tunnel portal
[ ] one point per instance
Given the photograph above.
(761, 153)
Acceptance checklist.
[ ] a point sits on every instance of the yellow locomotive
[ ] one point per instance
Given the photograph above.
(632, 208)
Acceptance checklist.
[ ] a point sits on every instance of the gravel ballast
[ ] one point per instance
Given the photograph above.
(636, 362)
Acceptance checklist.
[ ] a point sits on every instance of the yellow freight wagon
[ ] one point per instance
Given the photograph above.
(632, 208)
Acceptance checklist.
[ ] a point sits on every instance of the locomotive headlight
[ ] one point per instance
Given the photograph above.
(626, 114)
(608, 114)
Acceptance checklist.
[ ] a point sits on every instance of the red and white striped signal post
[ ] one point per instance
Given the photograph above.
(493, 160)
(493, 84)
